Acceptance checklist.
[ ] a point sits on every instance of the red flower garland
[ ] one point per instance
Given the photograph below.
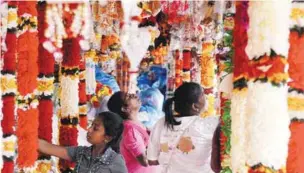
(240, 39)
(82, 97)
(27, 124)
(9, 67)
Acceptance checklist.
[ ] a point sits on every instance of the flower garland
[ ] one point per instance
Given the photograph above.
(186, 65)
(208, 76)
(45, 90)
(267, 50)
(225, 68)
(9, 89)
(296, 89)
(69, 111)
(82, 95)
(123, 75)
(239, 94)
(27, 72)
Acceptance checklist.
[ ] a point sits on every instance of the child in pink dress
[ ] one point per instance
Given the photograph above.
(135, 137)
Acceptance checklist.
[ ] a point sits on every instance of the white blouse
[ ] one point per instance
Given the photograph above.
(186, 149)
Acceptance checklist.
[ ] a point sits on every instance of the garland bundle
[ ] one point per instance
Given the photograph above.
(296, 89)
(27, 99)
(9, 89)
(267, 111)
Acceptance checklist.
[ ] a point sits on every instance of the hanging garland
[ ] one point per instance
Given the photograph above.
(178, 69)
(9, 89)
(27, 100)
(224, 70)
(267, 50)
(83, 122)
(239, 94)
(296, 89)
(45, 89)
(186, 65)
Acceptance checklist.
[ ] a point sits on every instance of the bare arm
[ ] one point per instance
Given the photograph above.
(54, 150)
(215, 154)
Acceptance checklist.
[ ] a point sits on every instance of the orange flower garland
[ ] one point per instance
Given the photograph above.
(27, 124)
(296, 92)
(178, 69)
(9, 90)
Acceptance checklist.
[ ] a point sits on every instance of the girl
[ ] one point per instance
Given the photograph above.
(102, 156)
(135, 136)
(181, 142)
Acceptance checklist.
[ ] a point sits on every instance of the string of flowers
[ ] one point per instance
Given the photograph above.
(27, 99)
(225, 69)
(178, 68)
(45, 90)
(76, 29)
(296, 89)
(9, 89)
(239, 94)
(3, 31)
(267, 50)
(82, 95)
(186, 65)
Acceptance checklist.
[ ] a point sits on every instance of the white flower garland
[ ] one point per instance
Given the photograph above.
(267, 125)
(268, 28)
(238, 115)
(69, 100)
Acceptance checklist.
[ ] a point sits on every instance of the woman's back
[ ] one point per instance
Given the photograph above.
(186, 148)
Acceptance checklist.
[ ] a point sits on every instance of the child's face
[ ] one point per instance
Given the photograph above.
(96, 133)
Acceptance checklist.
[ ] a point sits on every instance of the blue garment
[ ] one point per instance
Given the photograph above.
(106, 79)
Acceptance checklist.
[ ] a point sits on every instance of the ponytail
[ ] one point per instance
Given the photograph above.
(169, 116)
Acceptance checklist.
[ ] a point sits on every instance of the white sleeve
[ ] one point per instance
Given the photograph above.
(154, 141)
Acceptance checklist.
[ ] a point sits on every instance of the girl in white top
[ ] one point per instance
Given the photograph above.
(182, 143)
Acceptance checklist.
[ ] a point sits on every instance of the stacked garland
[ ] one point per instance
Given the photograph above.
(27, 72)
(296, 89)
(267, 111)
(9, 89)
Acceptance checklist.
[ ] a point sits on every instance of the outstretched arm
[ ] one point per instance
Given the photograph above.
(54, 150)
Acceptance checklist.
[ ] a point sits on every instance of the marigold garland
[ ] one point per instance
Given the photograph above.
(178, 68)
(295, 91)
(27, 124)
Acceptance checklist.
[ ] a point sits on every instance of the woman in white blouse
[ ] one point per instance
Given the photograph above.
(181, 142)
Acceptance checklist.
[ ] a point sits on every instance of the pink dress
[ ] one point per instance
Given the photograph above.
(134, 143)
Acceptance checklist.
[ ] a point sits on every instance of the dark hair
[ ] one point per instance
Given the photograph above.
(113, 125)
(184, 96)
(115, 104)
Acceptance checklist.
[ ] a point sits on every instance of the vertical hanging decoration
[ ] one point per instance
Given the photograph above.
(27, 72)
(83, 121)
(45, 89)
(208, 63)
(239, 94)
(296, 89)
(267, 111)
(9, 89)
(224, 59)
(77, 28)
